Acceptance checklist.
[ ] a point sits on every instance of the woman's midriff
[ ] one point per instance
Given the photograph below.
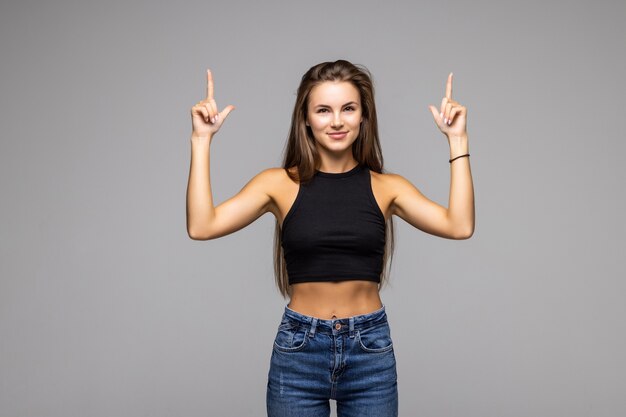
(327, 300)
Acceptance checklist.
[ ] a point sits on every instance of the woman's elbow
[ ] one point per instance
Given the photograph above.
(198, 235)
(465, 233)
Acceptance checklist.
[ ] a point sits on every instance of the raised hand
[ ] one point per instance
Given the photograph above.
(451, 118)
(206, 120)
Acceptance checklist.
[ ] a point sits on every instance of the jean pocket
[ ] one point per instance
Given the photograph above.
(290, 337)
(375, 339)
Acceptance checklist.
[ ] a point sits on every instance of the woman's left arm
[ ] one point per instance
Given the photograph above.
(461, 199)
(457, 221)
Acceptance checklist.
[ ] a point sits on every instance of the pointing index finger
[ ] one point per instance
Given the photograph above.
(209, 84)
(449, 86)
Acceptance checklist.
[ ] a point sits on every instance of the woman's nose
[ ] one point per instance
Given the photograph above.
(337, 122)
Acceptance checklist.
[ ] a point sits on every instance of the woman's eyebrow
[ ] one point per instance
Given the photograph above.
(344, 105)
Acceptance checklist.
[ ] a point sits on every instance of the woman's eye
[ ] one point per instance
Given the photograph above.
(349, 108)
(322, 110)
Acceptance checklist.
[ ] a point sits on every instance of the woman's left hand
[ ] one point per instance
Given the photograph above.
(451, 117)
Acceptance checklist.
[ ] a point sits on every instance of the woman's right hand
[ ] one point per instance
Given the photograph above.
(205, 118)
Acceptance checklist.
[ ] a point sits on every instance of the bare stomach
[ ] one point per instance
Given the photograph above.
(327, 300)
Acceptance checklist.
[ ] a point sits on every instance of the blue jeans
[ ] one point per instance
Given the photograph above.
(350, 360)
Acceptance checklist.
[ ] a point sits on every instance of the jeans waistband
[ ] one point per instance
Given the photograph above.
(338, 325)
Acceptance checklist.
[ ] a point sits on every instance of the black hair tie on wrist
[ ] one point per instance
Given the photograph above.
(461, 156)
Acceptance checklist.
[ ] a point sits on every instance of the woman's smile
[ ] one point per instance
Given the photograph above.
(338, 135)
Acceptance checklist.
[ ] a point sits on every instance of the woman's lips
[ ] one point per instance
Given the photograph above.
(338, 135)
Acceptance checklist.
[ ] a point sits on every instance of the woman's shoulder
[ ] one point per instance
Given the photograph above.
(275, 179)
(386, 178)
(279, 173)
(280, 187)
(391, 183)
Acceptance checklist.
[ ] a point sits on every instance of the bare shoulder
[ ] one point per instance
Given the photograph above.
(270, 178)
(261, 189)
(392, 181)
(387, 187)
(276, 178)
(384, 178)
(281, 189)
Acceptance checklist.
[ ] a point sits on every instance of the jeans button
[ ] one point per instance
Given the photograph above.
(338, 326)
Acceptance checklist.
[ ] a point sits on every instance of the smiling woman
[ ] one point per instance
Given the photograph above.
(332, 116)
(333, 205)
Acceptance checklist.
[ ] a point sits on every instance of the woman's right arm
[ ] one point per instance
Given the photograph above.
(204, 220)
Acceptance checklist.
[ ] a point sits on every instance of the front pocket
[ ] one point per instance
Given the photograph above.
(375, 339)
(291, 337)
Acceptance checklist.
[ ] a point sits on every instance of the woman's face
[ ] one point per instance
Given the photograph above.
(334, 114)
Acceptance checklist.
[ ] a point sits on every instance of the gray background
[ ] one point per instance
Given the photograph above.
(107, 308)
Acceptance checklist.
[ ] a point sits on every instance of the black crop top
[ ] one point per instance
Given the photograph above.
(334, 230)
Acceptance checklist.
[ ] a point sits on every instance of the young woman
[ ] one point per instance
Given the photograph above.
(333, 238)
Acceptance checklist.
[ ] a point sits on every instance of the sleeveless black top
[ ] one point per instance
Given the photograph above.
(334, 230)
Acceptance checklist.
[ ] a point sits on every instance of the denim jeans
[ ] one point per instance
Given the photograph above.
(350, 360)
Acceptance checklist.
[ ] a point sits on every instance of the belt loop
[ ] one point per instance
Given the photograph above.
(313, 326)
(351, 327)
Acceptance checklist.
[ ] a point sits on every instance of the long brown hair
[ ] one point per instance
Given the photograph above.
(301, 151)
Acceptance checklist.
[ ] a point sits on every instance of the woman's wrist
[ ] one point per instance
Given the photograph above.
(201, 136)
(201, 140)
(459, 145)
